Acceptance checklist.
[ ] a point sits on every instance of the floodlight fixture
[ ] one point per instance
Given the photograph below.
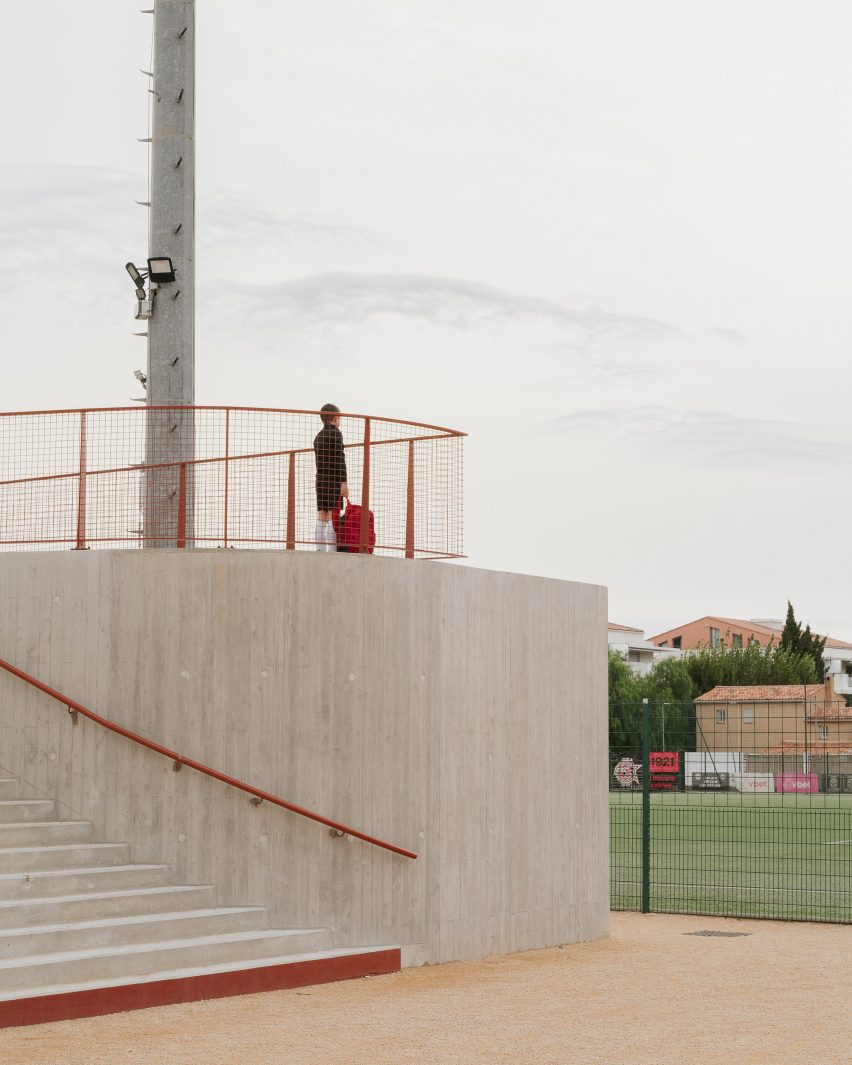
(160, 270)
(140, 377)
(135, 276)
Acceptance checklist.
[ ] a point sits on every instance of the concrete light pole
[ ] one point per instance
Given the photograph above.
(171, 328)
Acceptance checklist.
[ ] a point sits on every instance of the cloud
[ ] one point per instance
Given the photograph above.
(733, 336)
(84, 222)
(72, 219)
(714, 437)
(228, 218)
(337, 298)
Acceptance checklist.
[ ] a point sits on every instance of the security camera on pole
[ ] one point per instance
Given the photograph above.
(170, 442)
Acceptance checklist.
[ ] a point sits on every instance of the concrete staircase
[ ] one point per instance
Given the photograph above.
(84, 931)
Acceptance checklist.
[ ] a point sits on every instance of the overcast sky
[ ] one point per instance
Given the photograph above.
(610, 240)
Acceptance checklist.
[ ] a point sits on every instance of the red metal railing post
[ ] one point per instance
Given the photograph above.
(364, 538)
(409, 504)
(81, 488)
(291, 502)
(227, 472)
(181, 518)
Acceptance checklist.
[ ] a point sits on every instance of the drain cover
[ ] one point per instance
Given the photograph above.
(713, 932)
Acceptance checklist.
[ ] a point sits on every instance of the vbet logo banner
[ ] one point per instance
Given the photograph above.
(755, 782)
(796, 782)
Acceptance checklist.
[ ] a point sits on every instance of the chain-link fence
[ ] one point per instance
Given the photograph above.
(222, 477)
(743, 808)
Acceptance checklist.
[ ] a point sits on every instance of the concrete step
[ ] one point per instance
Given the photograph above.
(54, 882)
(17, 810)
(20, 913)
(9, 788)
(62, 856)
(234, 949)
(89, 998)
(41, 833)
(128, 931)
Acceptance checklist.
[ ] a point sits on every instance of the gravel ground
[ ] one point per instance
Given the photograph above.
(648, 995)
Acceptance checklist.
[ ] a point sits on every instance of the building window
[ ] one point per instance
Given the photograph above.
(822, 731)
(753, 641)
(714, 637)
(676, 641)
(721, 717)
(737, 639)
(748, 715)
(664, 643)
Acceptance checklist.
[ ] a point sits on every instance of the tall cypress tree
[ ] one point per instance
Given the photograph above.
(797, 642)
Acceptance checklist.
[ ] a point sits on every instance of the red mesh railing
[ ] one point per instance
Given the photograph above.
(220, 477)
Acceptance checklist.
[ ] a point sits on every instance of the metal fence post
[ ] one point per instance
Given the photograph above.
(291, 502)
(364, 537)
(181, 516)
(646, 807)
(81, 488)
(227, 475)
(409, 504)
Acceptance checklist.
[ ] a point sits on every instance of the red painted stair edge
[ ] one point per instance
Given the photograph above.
(102, 1000)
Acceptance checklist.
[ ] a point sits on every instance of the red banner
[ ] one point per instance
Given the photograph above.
(665, 770)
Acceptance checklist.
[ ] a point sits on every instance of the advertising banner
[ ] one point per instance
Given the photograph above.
(711, 781)
(665, 770)
(759, 783)
(796, 782)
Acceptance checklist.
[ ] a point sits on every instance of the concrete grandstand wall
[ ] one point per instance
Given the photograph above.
(457, 712)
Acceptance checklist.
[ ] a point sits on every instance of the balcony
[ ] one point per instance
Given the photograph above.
(220, 477)
(842, 683)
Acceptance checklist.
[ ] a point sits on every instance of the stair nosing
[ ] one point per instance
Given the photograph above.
(35, 824)
(191, 971)
(73, 870)
(127, 919)
(59, 847)
(121, 893)
(64, 956)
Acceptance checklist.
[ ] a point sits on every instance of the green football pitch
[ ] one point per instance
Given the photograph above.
(781, 856)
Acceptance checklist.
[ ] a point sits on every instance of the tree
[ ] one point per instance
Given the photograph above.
(625, 703)
(805, 642)
(674, 683)
(709, 666)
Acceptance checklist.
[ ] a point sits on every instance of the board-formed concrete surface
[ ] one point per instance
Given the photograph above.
(650, 994)
(456, 712)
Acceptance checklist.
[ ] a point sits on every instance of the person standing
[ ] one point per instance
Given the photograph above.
(331, 475)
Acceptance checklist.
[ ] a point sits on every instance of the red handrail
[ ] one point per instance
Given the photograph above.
(179, 760)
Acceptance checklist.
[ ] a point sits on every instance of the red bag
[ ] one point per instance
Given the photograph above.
(347, 526)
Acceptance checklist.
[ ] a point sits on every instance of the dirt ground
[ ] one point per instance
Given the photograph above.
(650, 994)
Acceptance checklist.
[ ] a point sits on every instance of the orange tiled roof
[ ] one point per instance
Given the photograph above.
(815, 749)
(759, 693)
(748, 626)
(737, 623)
(831, 713)
(751, 626)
